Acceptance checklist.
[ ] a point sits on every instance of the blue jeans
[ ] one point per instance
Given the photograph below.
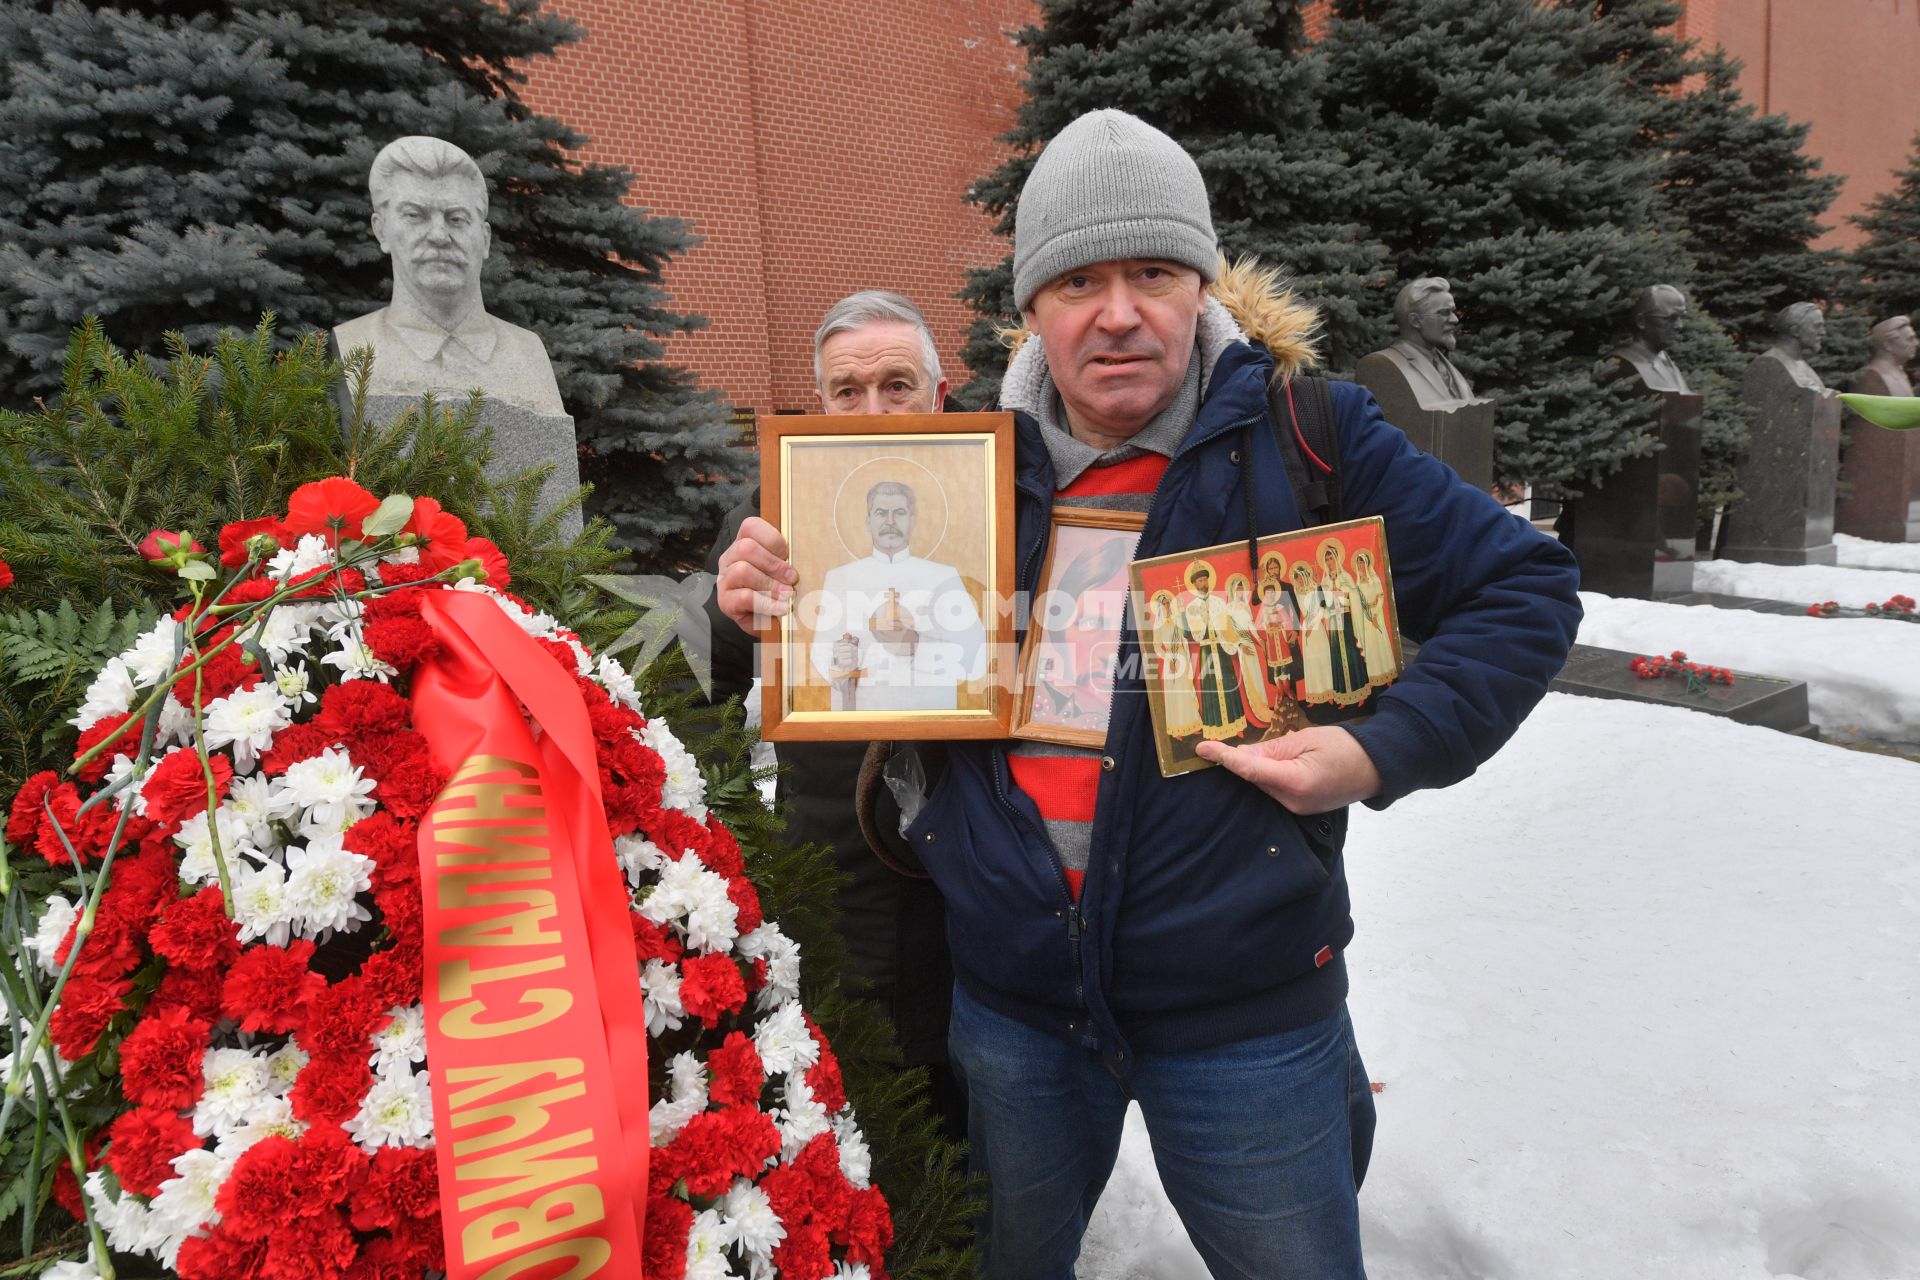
(1261, 1145)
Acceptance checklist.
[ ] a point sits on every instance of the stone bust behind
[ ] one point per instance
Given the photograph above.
(1658, 313)
(1894, 346)
(1799, 331)
(430, 216)
(1429, 327)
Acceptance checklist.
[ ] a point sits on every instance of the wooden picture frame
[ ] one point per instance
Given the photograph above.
(902, 628)
(1307, 633)
(1065, 691)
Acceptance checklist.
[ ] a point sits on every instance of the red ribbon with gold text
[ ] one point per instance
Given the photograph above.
(536, 1035)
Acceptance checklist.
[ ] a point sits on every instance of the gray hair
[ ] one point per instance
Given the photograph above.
(1647, 302)
(1415, 292)
(1793, 314)
(1891, 325)
(424, 157)
(900, 487)
(875, 306)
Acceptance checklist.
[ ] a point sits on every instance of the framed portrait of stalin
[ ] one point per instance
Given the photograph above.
(900, 528)
(1244, 644)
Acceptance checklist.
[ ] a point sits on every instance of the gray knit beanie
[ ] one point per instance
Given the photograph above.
(1110, 186)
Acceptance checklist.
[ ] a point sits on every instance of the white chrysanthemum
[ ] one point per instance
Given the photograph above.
(405, 555)
(260, 905)
(186, 1200)
(856, 1160)
(175, 727)
(128, 1223)
(750, 1220)
(283, 1068)
(803, 1118)
(851, 1271)
(246, 721)
(357, 662)
(258, 803)
(293, 682)
(196, 859)
(685, 1098)
(782, 955)
(330, 790)
(311, 552)
(684, 788)
(660, 989)
(618, 682)
(122, 780)
(236, 1088)
(697, 898)
(51, 931)
(110, 694)
(402, 1042)
(284, 631)
(397, 1112)
(784, 1043)
(324, 882)
(638, 855)
(155, 653)
(270, 1116)
(707, 1248)
(87, 1268)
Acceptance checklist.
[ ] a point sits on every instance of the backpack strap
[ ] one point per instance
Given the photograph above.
(1300, 411)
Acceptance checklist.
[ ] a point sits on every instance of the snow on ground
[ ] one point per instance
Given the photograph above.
(1805, 583)
(1859, 553)
(1862, 674)
(1644, 998)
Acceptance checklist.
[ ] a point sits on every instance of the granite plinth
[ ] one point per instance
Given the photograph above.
(1766, 701)
(1633, 533)
(1881, 474)
(522, 439)
(1786, 474)
(1460, 436)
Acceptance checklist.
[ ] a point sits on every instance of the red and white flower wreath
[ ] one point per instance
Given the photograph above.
(271, 1057)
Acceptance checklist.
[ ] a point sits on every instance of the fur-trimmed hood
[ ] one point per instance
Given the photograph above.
(1245, 301)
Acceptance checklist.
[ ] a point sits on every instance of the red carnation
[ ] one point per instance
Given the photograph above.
(160, 1060)
(195, 990)
(804, 1252)
(710, 986)
(401, 1185)
(194, 932)
(23, 819)
(651, 942)
(400, 642)
(60, 825)
(390, 843)
(395, 575)
(869, 1232)
(220, 1255)
(831, 1193)
(664, 1246)
(87, 1005)
(492, 560)
(716, 1146)
(341, 1017)
(143, 1143)
(317, 1246)
(443, 535)
(6, 575)
(823, 1077)
(331, 1166)
(233, 539)
(334, 507)
(169, 547)
(269, 988)
(746, 904)
(363, 708)
(264, 1190)
(299, 742)
(226, 672)
(722, 855)
(176, 790)
(330, 1089)
(95, 734)
(738, 1074)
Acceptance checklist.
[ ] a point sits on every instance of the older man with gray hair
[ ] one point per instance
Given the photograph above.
(1429, 327)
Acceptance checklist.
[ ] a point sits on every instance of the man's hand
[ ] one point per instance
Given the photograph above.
(756, 581)
(846, 657)
(1308, 771)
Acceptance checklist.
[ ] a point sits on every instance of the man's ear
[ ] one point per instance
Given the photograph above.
(380, 231)
(940, 395)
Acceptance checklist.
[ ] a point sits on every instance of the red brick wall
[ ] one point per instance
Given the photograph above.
(817, 148)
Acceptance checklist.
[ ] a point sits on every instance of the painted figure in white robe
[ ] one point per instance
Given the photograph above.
(1252, 665)
(1216, 641)
(896, 632)
(1376, 639)
(1175, 663)
(1340, 598)
(1316, 679)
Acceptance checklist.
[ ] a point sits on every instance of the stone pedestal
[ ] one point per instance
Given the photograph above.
(1767, 701)
(522, 440)
(1633, 533)
(1881, 470)
(1461, 437)
(1786, 474)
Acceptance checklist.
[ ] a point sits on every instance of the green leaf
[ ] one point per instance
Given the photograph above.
(197, 571)
(390, 516)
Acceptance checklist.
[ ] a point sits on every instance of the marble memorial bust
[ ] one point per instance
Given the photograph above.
(1429, 327)
(430, 216)
(1799, 331)
(1894, 346)
(1657, 315)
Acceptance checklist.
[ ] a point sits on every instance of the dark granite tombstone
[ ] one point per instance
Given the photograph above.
(1633, 533)
(1460, 436)
(1787, 472)
(1881, 469)
(1766, 701)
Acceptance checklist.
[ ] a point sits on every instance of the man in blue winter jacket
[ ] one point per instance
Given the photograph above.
(1118, 935)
